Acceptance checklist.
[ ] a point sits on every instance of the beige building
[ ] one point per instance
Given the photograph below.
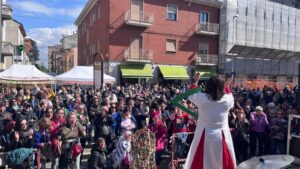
(13, 34)
(54, 55)
(70, 54)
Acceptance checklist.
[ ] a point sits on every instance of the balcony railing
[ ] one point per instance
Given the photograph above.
(206, 59)
(140, 19)
(141, 55)
(6, 12)
(207, 28)
(213, 3)
(7, 49)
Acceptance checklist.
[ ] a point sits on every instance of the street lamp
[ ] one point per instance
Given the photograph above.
(98, 66)
(233, 42)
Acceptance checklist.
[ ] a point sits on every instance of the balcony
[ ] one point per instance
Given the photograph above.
(7, 49)
(210, 29)
(139, 19)
(213, 3)
(6, 12)
(141, 55)
(206, 59)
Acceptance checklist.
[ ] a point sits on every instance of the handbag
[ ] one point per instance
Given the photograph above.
(56, 148)
(76, 148)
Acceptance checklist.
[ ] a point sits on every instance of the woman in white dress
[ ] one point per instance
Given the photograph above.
(212, 147)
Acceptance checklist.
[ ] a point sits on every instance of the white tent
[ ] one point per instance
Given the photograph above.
(82, 75)
(25, 74)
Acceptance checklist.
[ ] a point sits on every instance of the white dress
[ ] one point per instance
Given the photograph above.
(212, 147)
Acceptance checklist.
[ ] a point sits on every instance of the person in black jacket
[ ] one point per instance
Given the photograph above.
(98, 158)
(103, 123)
(27, 114)
(241, 136)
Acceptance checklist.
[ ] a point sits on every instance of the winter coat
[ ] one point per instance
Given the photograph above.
(160, 131)
(71, 133)
(103, 126)
(98, 158)
(30, 117)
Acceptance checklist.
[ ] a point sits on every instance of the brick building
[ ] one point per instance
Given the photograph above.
(138, 38)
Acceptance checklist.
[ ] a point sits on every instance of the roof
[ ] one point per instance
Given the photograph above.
(24, 74)
(81, 75)
(87, 8)
(22, 29)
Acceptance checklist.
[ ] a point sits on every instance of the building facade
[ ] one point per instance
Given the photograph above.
(260, 42)
(13, 38)
(70, 54)
(142, 36)
(55, 54)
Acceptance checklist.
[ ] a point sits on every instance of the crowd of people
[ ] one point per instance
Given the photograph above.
(61, 123)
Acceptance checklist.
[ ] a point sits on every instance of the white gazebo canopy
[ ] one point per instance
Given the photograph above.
(25, 74)
(83, 75)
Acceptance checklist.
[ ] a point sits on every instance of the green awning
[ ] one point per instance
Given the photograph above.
(205, 73)
(174, 72)
(136, 71)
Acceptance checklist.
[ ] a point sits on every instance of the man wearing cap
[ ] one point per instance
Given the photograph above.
(259, 123)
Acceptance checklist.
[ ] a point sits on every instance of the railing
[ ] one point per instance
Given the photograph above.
(206, 59)
(141, 17)
(6, 12)
(7, 48)
(207, 28)
(142, 55)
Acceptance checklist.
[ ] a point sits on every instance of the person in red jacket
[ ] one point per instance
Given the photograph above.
(160, 131)
(57, 123)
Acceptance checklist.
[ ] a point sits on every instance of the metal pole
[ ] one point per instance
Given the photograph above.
(1, 34)
(298, 91)
(94, 72)
(102, 72)
(233, 42)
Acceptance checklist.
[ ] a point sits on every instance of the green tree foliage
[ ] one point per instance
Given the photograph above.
(34, 53)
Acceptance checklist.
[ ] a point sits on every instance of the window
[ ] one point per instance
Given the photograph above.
(172, 12)
(99, 12)
(91, 19)
(203, 17)
(94, 17)
(87, 37)
(171, 45)
(203, 48)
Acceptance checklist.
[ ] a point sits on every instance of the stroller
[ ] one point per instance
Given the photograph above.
(21, 158)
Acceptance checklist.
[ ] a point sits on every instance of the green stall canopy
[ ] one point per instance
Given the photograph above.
(173, 72)
(136, 71)
(205, 73)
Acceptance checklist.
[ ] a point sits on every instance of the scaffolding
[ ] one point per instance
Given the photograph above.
(259, 37)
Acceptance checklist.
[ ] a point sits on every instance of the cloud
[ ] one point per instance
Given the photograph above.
(46, 36)
(39, 8)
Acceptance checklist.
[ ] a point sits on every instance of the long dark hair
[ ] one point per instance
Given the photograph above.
(215, 88)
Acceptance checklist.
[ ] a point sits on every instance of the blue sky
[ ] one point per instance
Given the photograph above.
(46, 21)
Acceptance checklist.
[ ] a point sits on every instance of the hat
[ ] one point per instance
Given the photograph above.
(259, 108)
